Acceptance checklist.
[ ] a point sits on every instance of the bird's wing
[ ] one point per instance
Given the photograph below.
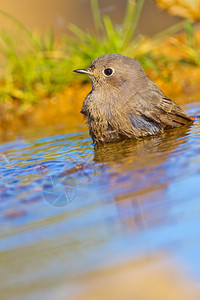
(155, 106)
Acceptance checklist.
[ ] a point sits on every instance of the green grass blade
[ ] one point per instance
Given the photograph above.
(129, 14)
(190, 36)
(96, 15)
(133, 12)
(169, 31)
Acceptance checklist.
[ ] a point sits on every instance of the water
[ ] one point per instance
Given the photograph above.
(67, 209)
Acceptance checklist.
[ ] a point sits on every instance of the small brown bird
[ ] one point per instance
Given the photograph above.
(124, 103)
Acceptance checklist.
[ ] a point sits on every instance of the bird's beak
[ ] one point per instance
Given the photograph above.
(84, 71)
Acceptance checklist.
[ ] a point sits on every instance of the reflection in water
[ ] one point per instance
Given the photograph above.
(127, 281)
(140, 179)
(129, 199)
(132, 150)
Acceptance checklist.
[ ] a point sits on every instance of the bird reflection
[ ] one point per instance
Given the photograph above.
(141, 149)
(138, 177)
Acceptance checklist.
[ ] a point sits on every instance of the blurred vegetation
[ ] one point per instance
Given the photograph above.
(184, 8)
(107, 38)
(34, 66)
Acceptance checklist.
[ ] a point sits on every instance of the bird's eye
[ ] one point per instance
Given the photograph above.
(108, 71)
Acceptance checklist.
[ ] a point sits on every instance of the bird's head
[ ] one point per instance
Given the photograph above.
(115, 72)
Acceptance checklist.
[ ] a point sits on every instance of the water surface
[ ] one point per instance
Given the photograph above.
(67, 209)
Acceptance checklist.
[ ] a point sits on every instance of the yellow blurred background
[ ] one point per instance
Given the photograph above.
(57, 14)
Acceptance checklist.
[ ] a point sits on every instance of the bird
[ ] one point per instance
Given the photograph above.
(124, 103)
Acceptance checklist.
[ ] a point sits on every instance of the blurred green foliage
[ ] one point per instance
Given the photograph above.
(34, 66)
(107, 38)
(191, 44)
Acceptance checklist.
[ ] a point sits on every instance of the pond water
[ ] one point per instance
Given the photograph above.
(67, 209)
